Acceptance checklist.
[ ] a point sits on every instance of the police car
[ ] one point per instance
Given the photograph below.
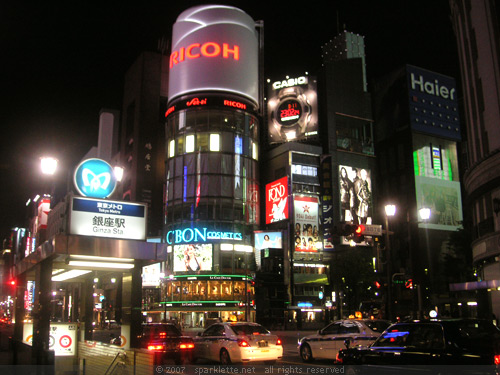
(327, 342)
(235, 342)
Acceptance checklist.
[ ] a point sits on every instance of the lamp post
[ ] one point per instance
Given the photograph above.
(390, 210)
(424, 214)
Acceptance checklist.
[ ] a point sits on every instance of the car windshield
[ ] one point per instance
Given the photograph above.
(249, 329)
(474, 335)
(422, 336)
(377, 325)
(161, 331)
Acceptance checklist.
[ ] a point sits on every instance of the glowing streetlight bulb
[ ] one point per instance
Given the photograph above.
(390, 210)
(49, 165)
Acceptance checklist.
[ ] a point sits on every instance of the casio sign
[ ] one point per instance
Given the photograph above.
(432, 88)
(290, 82)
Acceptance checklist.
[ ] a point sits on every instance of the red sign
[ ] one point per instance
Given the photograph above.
(277, 201)
(208, 49)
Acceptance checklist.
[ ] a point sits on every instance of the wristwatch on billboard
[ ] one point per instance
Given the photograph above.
(292, 113)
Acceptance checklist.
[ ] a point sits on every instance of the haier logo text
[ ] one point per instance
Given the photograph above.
(432, 88)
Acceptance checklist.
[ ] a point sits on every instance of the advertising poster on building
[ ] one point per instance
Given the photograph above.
(151, 275)
(292, 109)
(355, 195)
(277, 201)
(112, 219)
(268, 240)
(193, 258)
(444, 199)
(306, 223)
(43, 213)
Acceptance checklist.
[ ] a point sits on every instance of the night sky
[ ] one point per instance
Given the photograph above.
(62, 62)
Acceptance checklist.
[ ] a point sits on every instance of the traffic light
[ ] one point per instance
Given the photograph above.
(358, 235)
(346, 229)
(11, 287)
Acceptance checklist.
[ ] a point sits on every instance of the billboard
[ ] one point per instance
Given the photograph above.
(292, 109)
(193, 258)
(43, 212)
(306, 220)
(214, 48)
(268, 240)
(433, 103)
(151, 275)
(111, 219)
(444, 199)
(277, 201)
(355, 195)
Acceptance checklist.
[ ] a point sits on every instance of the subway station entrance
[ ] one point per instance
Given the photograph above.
(79, 289)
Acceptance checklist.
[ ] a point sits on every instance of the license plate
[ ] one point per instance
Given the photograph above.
(262, 344)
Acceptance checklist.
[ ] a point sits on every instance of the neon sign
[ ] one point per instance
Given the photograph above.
(290, 82)
(199, 235)
(208, 49)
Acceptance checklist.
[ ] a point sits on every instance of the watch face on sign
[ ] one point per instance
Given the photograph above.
(289, 112)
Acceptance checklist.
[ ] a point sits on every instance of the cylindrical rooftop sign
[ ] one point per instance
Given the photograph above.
(214, 48)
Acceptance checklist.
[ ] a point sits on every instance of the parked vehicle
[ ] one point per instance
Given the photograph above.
(328, 341)
(168, 341)
(235, 342)
(431, 342)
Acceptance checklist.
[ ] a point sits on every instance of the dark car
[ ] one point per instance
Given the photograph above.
(168, 341)
(427, 343)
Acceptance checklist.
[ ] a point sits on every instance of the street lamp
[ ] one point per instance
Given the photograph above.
(49, 165)
(390, 210)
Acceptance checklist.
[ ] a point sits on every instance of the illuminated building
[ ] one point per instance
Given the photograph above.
(418, 125)
(212, 171)
(477, 34)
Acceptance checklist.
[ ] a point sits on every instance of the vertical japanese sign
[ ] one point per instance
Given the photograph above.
(277, 201)
(326, 202)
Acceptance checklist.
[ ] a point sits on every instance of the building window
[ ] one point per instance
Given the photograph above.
(172, 148)
(214, 142)
(190, 143)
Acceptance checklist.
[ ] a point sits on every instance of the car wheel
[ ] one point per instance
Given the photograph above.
(225, 359)
(306, 353)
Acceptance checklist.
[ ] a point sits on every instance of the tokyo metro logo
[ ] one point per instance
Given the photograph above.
(94, 178)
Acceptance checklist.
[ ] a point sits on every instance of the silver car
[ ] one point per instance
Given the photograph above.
(327, 342)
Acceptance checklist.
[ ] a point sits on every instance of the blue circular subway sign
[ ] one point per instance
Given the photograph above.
(94, 178)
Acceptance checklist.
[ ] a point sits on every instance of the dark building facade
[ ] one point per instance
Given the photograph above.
(477, 34)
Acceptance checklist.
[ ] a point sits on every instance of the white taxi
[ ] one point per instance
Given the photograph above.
(238, 342)
(327, 342)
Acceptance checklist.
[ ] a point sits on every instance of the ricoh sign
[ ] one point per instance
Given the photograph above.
(214, 48)
(433, 103)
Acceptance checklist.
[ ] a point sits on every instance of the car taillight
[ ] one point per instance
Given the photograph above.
(338, 359)
(278, 342)
(243, 343)
(155, 347)
(497, 359)
(188, 345)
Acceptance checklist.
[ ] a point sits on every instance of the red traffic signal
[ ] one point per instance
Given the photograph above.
(12, 282)
(360, 229)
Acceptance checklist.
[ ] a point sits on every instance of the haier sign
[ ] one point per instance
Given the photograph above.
(433, 103)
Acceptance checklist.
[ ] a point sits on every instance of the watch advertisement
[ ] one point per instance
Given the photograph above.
(292, 109)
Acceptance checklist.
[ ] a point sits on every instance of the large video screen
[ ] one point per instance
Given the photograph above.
(355, 195)
(193, 258)
(268, 240)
